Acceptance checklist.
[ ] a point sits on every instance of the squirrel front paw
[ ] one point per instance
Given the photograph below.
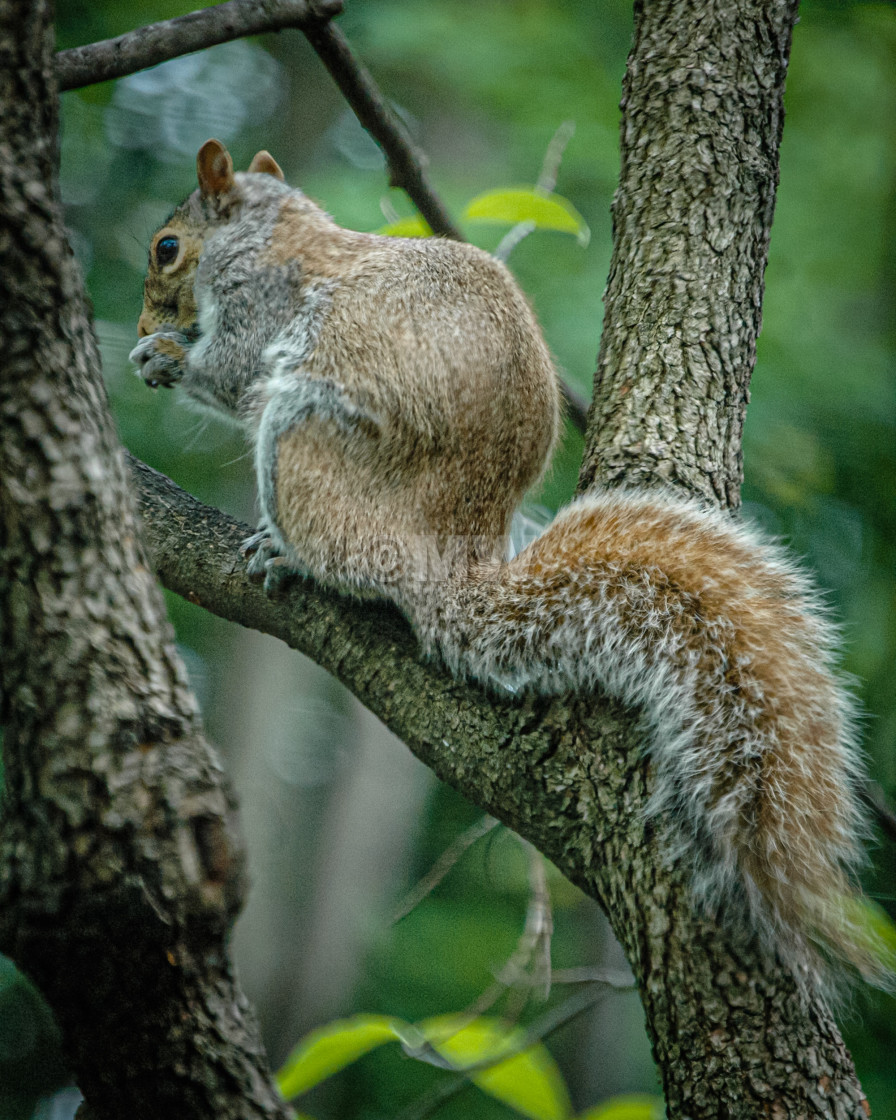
(160, 357)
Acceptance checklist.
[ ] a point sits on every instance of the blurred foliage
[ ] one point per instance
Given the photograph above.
(484, 88)
(502, 1061)
(633, 1106)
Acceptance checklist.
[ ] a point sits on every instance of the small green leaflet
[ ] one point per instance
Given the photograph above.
(529, 1081)
(414, 226)
(526, 204)
(324, 1052)
(508, 206)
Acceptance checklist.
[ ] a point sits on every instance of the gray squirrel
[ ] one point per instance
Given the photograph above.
(401, 400)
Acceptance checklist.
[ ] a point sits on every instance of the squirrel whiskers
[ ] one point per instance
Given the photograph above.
(399, 392)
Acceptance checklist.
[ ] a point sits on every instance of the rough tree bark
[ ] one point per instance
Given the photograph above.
(701, 127)
(120, 867)
(731, 1035)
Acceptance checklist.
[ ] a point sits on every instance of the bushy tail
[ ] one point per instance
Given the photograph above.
(723, 643)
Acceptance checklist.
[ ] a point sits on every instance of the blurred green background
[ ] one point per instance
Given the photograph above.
(341, 820)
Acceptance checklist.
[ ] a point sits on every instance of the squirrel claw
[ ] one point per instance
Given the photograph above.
(278, 574)
(257, 565)
(265, 561)
(258, 541)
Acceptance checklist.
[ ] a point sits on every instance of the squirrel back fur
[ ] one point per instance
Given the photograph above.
(401, 400)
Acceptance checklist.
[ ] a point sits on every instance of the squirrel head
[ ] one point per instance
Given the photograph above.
(168, 297)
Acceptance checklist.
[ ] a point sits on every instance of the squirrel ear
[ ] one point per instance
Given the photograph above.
(214, 168)
(265, 163)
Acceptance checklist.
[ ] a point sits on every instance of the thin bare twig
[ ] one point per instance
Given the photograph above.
(576, 403)
(442, 866)
(544, 185)
(576, 406)
(171, 38)
(553, 157)
(616, 978)
(406, 162)
(540, 918)
(514, 236)
(529, 965)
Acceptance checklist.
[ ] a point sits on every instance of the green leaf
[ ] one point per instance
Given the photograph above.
(329, 1049)
(414, 226)
(525, 204)
(632, 1106)
(529, 1081)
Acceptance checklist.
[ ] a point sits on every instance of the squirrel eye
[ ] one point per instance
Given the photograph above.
(167, 250)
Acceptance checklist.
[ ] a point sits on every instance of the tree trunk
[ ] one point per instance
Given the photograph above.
(120, 866)
(701, 127)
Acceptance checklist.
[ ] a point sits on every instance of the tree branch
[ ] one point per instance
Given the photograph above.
(407, 164)
(159, 42)
(171, 38)
(876, 800)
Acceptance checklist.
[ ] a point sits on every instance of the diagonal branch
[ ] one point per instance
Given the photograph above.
(407, 164)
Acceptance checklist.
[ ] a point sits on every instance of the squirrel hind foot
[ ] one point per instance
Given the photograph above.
(267, 561)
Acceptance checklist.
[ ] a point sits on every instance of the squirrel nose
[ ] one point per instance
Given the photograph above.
(144, 326)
